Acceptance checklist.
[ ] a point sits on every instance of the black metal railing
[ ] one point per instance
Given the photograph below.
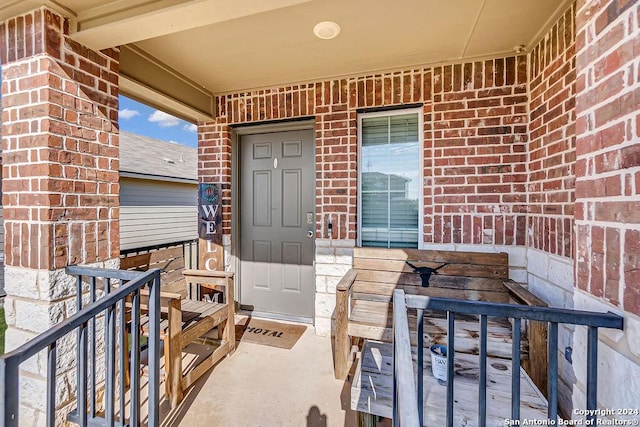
(115, 298)
(408, 394)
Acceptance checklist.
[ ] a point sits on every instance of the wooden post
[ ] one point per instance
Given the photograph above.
(536, 364)
(230, 332)
(173, 354)
(341, 354)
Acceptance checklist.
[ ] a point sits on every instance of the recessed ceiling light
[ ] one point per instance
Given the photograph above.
(326, 30)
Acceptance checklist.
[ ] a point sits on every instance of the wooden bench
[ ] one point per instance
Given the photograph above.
(372, 389)
(364, 302)
(185, 321)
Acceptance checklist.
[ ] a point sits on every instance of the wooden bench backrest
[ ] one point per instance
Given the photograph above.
(170, 261)
(462, 275)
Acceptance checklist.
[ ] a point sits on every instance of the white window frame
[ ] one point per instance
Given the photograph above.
(387, 113)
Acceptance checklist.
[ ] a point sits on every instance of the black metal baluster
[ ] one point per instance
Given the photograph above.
(592, 371)
(420, 366)
(78, 336)
(123, 357)
(451, 328)
(82, 374)
(134, 367)
(154, 350)
(9, 383)
(92, 373)
(51, 384)
(111, 366)
(553, 372)
(515, 369)
(482, 398)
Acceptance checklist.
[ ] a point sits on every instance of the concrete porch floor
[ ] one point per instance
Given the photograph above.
(268, 386)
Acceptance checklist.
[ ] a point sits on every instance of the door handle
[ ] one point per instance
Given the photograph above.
(310, 234)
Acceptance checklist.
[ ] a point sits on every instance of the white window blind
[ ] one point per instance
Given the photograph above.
(390, 178)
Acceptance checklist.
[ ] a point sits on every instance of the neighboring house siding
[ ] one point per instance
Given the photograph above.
(156, 212)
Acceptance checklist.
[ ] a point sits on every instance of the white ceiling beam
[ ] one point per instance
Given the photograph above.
(127, 21)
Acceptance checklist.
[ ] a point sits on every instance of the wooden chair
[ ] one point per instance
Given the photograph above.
(185, 321)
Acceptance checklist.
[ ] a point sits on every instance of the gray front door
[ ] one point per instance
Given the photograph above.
(277, 222)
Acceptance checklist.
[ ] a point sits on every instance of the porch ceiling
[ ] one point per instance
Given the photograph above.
(206, 47)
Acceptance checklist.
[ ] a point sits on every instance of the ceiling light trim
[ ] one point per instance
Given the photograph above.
(327, 30)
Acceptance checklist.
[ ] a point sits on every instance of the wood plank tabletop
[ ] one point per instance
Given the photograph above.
(371, 390)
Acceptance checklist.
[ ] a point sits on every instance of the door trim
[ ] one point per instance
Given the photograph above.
(236, 134)
(244, 310)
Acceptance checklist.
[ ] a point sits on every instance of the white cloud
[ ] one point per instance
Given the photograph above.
(128, 114)
(190, 128)
(163, 119)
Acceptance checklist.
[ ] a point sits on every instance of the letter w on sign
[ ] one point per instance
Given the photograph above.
(210, 210)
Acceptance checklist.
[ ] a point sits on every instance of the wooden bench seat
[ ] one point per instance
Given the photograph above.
(193, 312)
(364, 300)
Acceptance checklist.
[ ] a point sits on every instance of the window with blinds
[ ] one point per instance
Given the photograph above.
(390, 180)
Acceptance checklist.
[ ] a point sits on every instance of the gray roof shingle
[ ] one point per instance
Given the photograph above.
(148, 156)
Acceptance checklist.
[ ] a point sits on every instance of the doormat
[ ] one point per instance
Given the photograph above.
(266, 332)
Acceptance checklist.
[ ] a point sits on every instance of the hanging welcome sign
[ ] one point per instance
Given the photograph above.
(210, 226)
(210, 212)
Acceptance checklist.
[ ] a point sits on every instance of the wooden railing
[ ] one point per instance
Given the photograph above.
(408, 394)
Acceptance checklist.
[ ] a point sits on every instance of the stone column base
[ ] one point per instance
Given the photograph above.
(36, 301)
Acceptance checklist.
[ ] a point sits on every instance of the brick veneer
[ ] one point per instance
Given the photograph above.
(475, 138)
(608, 152)
(607, 208)
(60, 188)
(60, 145)
(478, 152)
(551, 147)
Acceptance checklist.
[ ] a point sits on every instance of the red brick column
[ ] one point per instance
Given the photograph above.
(607, 210)
(60, 169)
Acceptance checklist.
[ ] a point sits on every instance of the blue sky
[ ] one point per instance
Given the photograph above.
(141, 119)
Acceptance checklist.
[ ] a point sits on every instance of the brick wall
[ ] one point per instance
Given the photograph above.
(60, 145)
(551, 181)
(551, 148)
(478, 152)
(475, 138)
(607, 209)
(608, 152)
(60, 188)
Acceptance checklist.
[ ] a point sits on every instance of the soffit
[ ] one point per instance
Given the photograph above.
(278, 47)
(217, 46)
